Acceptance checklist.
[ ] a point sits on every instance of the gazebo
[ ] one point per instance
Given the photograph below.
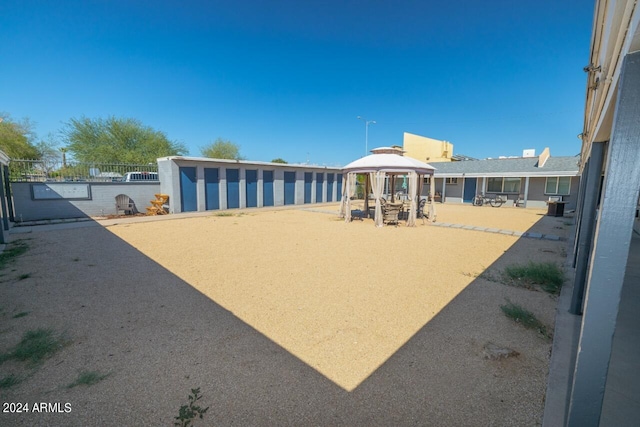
(385, 162)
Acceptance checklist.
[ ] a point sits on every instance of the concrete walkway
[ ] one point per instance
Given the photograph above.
(530, 235)
(621, 405)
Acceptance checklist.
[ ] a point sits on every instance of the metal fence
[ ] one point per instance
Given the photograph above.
(43, 170)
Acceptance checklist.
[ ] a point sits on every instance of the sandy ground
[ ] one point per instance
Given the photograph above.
(282, 317)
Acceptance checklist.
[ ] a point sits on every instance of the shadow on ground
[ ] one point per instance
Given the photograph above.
(158, 337)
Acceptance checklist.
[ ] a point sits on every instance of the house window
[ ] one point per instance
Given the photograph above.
(511, 185)
(503, 185)
(451, 180)
(494, 185)
(558, 185)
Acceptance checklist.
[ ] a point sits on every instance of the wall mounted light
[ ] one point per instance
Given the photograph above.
(591, 68)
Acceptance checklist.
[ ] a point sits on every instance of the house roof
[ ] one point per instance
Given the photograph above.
(388, 163)
(247, 163)
(617, 20)
(520, 167)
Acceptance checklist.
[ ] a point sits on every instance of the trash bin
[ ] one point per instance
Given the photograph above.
(555, 208)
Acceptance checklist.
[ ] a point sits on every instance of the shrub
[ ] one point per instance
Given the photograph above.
(191, 411)
(88, 378)
(12, 251)
(9, 381)
(547, 275)
(519, 314)
(35, 346)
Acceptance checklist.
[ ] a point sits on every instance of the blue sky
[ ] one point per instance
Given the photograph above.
(289, 78)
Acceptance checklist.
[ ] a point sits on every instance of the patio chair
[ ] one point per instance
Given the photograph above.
(420, 212)
(124, 204)
(383, 202)
(357, 214)
(390, 213)
(519, 202)
(436, 198)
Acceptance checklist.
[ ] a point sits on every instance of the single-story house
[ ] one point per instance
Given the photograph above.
(532, 180)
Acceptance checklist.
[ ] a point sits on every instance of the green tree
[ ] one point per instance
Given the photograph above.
(117, 140)
(49, 154)
(279, 160)
(221, 149)
(16, 138)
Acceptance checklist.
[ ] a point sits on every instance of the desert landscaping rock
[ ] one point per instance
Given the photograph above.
(281, 317)
(495, 352)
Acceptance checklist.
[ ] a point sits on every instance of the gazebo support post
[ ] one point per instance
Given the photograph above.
(393, 188)
(366, 194)
(432, 194)
(432, 188)
(418, 196)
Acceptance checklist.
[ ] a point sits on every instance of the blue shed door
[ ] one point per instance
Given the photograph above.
(339, 187)
(319, 182)
(252, 188)
(188, 189)
(329, 187)
(233, 188)
(212, 188)
(308, 181)
(289, 188)
(267, 188)
(469, 189)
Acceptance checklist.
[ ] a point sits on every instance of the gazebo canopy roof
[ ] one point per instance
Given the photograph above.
(390, 163)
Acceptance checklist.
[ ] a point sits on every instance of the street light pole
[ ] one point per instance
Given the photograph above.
(366, 133)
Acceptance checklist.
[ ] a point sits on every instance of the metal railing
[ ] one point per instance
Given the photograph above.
(21, 170)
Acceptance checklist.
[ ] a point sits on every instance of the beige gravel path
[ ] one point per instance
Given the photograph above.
(285, 317)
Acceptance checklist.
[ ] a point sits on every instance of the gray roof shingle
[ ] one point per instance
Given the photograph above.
(519, 166)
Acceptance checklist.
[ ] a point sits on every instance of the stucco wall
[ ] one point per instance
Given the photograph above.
(426, 149)
(538, 199)
(102, 200)
(453, 192)
(536, 196)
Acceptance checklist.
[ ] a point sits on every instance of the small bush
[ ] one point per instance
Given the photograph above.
(9, 381)
(88, 378)
(190, 412)
(12, 251)
(519, 314)
(547, 275)
(35, 346)
(21, 314)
